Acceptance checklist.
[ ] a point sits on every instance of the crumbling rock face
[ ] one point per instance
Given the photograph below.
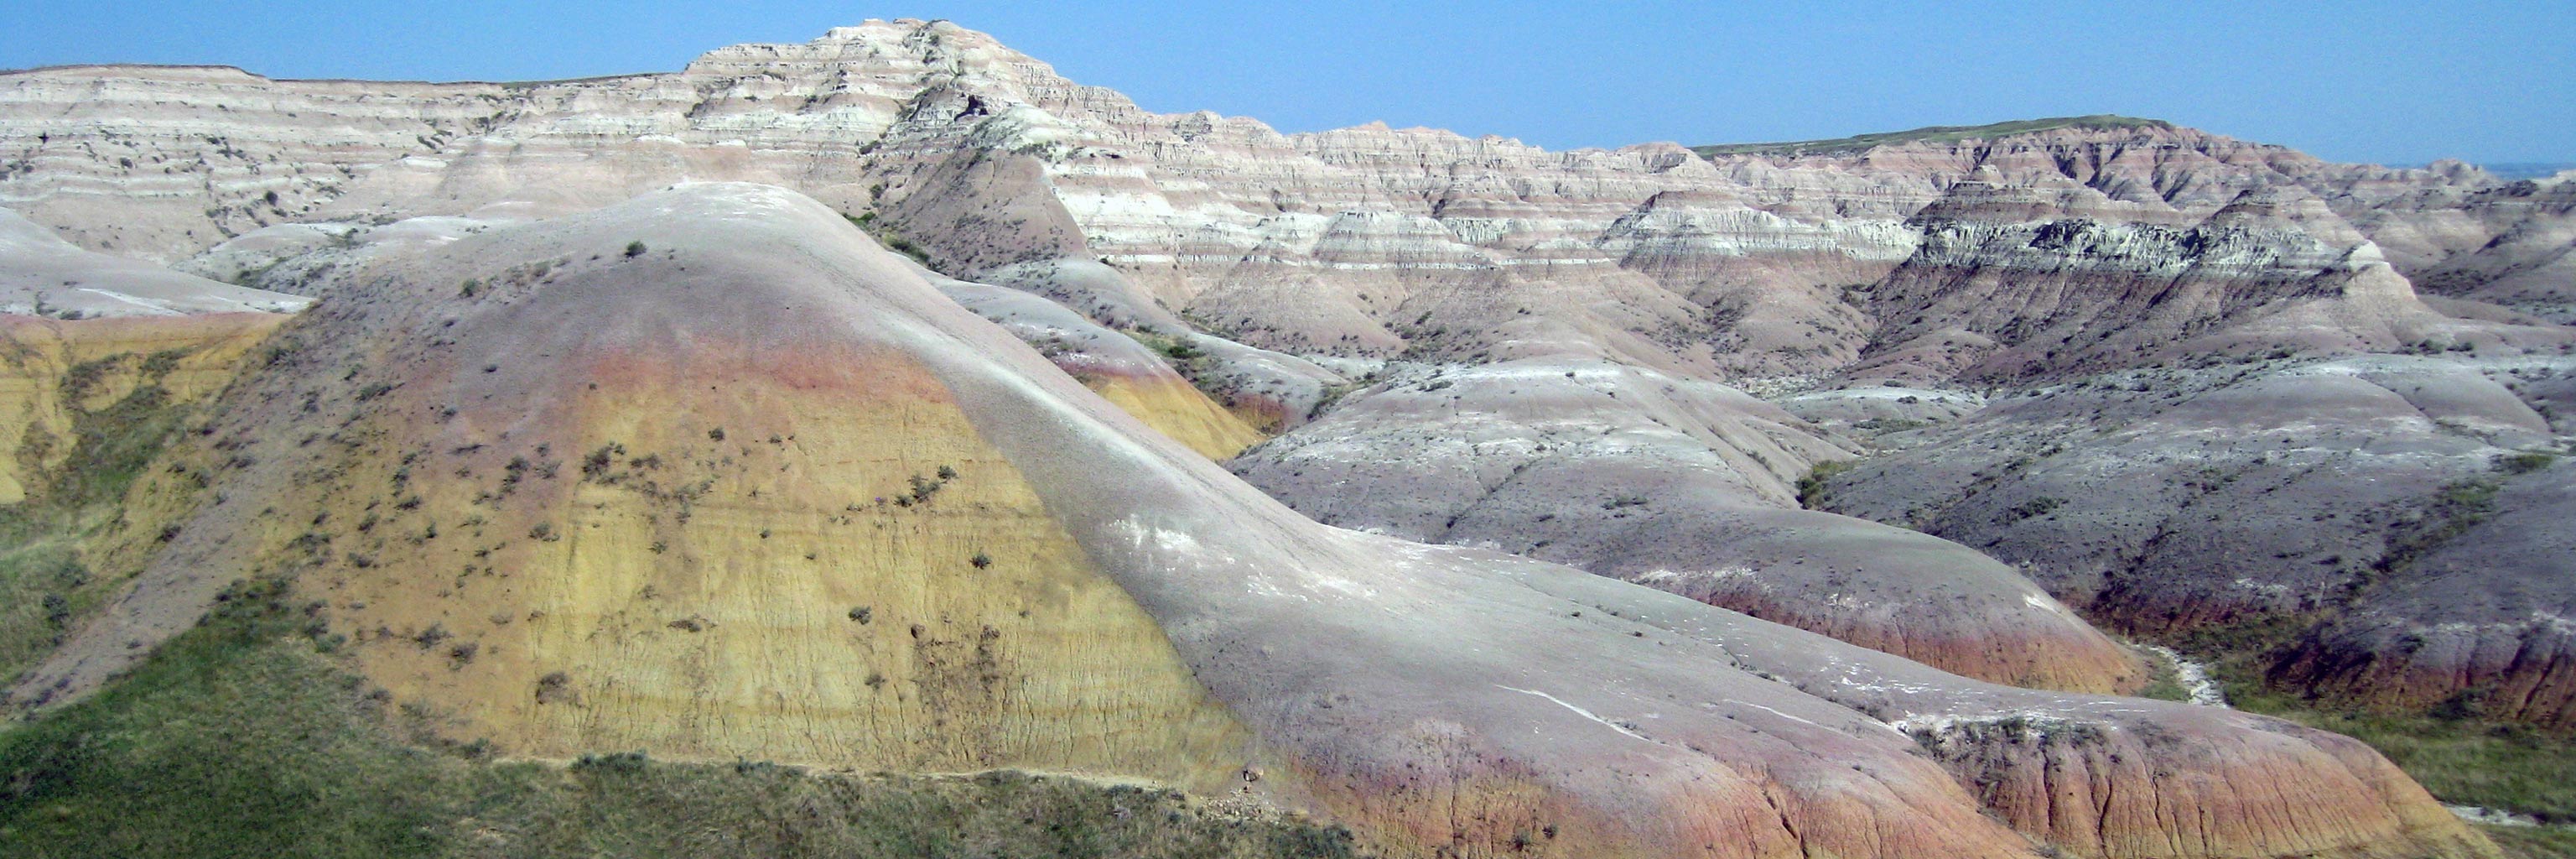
(2478, 625)
(2005, 286)
(2078, 781)
(2235, 508)
(43, 276)
(2513, 245)
(1678, 485)
(1369, 241)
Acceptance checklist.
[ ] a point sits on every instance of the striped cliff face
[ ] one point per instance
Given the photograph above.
(708, 473)
(1366, 241)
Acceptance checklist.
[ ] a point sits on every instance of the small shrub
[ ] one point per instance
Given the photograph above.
(2035, 507)
(1811, 488)
(553, 688)
(634, 249)
(626, 762)
(981, 560)
(2525, 462)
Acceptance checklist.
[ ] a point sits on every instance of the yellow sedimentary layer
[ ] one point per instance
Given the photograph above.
(114, 356)
(1174, 408)
(769, 567)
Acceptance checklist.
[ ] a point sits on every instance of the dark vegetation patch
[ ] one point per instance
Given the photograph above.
(2525, 462)
(1813, 487)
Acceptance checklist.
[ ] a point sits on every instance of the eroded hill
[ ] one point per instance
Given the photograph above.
(899, 458)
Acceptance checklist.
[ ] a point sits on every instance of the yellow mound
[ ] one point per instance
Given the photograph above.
(52, 371)
(1174, 408)
(815, 560)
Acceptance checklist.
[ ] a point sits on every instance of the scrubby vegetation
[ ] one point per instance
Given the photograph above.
(2460, 758)
(1812, 488)
(885, 234)
(2163, 682)
(2525, 462)
(245, 738)
(1185, 357)
(47, 584)
(2456, 753)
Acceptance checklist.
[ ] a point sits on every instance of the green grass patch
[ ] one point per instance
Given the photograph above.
(245, 737)
(1813, 487)
(1185, 356)
(44, 591)
(625, 806)
(2533, 842)
(234, 739)
(2164, 683)
(47, 586)
(109, 447)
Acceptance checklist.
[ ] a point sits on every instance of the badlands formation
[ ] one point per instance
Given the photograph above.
(890, 403)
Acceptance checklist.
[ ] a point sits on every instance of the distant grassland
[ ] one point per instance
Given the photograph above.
(1930, 134)
(245, 738)
(2532, 842)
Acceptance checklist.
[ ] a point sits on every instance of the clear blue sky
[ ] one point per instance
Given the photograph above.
(2391, 82)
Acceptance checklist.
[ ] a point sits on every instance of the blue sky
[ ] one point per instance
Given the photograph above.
(2392, 82)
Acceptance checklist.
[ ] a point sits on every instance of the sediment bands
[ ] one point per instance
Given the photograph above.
(786, 500)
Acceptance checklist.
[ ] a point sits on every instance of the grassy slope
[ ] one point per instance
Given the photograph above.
(1935, 134)
(47, 584)
(245, 737)
(2528, 842)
